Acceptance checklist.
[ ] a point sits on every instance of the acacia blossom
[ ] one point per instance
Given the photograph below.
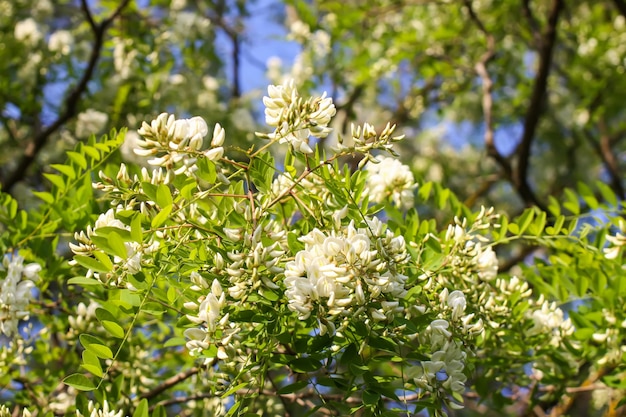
(216, 329)
(134, 250)
(16, 291)
(295, 119)
(105, 411)
(389, 179)
(339, 272)
(177, 143)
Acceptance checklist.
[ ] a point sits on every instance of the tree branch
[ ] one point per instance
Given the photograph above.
(170, 382)
(487, 98)
(72, 100)
(523, 151)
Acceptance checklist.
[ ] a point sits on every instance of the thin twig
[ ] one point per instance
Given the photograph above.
(170, 382)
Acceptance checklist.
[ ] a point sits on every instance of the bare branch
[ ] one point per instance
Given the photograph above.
(170, 382)
(72, 100)
(487, 97)
(604, 149)
(523, 151)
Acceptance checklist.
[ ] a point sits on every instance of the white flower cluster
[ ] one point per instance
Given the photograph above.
(618, 241)
(258, 263)
(134, 250)
(105, 411)
(27, 31)
(295, 119)
(549, 320)
(6, 412)
(84, 319)
(469, 258)
(446, 364)
(389, 179)
(61, 42)
(345, 273)
(16, 291)
(217, 329)
(177, 143)
(454, 304)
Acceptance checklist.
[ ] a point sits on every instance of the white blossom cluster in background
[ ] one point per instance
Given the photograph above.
(105, 411)
(17, 282)
(345, 273)
(389, 179)
(216, 328)
(549, 320)
(134, 250)
(296, 119)
(176, 144)
(618, 241)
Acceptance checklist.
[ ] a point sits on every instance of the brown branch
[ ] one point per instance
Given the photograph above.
(72, 100)
(170, 382)
(487, 96)
(523, 151)
(604, 150)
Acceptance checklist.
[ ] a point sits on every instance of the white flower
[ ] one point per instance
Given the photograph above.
(90, 122)
(27, 31)
(487, 263)
(296, 119)
(389, 179)
(15, 292)
(61, 41)
(101, 412)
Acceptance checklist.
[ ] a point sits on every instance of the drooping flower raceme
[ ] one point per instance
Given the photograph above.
(295, 119)
(389, 179)
(216, 329)
(177, 143)
(16, 288)
(345, 271)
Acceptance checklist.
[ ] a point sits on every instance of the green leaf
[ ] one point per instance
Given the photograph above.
(304, 365)
(84, 282)
(136, 232)
(160, 218)
(291, 388)
(175, 341)
(142, 409)
(163, 196)
(45, 196)
(571, 203)
(78, 159)
(56, 180)
(91, 263)
(96, 346)
(91, 363)
(110, 323)
(117, 245)
(65, 170)
(79, 382)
